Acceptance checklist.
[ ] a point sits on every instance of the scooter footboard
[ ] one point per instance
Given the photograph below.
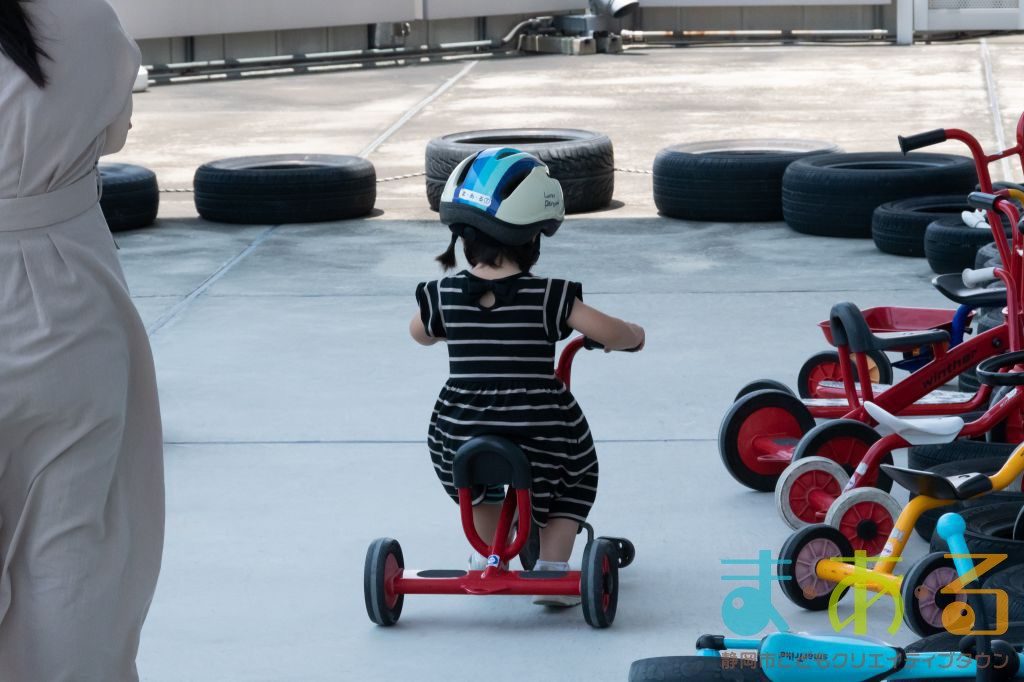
(789, 657)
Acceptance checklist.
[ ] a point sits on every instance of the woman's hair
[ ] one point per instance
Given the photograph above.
(17, 41)
(480, 249)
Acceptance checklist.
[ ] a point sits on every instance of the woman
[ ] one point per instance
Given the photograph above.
(81, 461)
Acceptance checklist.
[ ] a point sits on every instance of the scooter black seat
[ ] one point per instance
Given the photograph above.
(850, 329)
(491, 460)
(959, 487)
(952, 287)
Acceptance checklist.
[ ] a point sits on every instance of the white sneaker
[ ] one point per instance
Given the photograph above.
(478, 562)
(560, 601)
(555, 600)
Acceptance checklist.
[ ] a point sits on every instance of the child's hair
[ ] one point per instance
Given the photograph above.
(481, 249)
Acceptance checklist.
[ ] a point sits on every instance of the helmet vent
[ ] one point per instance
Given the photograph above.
(513, 184)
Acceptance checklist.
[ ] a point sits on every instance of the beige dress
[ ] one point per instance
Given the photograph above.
(81, 461)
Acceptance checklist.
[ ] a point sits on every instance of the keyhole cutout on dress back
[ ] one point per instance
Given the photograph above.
(487, 300)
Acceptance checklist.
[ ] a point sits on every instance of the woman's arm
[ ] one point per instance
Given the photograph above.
(419, 333)
(611, 332)
(117, 132)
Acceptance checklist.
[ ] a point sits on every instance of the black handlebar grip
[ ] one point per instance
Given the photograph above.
(982, 200)
(912, 142)
(590, 344)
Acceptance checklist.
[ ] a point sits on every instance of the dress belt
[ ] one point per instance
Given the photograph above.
(52, 208)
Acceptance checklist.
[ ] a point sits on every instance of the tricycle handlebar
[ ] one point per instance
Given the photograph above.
(912, 142)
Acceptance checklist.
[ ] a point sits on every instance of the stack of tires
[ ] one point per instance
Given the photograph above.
(836, 195)
(728, 180)
(582, 161)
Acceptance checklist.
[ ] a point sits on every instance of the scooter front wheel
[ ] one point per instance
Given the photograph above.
(924, 603)
(800, 556)
(384, 563)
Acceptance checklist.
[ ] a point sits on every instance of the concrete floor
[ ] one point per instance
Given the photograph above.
(295, 405)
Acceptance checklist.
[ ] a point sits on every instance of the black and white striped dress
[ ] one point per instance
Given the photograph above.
(502, 383)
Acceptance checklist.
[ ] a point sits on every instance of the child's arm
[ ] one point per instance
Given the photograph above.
(611, 332)
(419, 332)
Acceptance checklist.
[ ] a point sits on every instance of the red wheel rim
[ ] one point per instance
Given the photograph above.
(826, 371)
(391, 571)
(855, 519)
(847, 452)
(800, 494)
(767, 422)
(606, 580)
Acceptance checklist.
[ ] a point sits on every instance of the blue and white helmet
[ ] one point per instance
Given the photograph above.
(504, 193)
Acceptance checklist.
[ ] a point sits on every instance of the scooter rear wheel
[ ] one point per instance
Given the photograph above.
(384, 562)
(773, 415)
(803, 550)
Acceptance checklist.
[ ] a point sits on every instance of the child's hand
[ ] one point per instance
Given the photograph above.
(641, 335)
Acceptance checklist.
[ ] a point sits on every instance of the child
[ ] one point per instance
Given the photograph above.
(501, 324)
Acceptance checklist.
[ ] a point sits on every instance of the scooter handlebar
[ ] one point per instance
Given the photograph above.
(978, 278)
(912, 142)
(951, 528)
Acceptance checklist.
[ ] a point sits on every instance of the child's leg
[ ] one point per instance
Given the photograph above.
(485, 518)
(557, 539)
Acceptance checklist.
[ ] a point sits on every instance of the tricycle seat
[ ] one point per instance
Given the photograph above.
(491, 460)
(917, 431)
(937, 486)
(952, 287)
(850, 329)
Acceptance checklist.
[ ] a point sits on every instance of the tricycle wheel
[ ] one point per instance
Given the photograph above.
(1011, 429)
(802, 484)
(763, 385)
(625, 550)
(384, 563)
(802, 552)
(599, 583)
(923, 600)
(824, 366)
(767, 415)
(865, 517)
(845, 442)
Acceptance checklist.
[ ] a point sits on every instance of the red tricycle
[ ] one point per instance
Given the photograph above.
(490, 460)
(769, 426)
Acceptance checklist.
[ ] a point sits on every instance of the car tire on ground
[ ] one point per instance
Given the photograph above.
(285, 188)
(899, 227)
(927, 457)
(582, 161)
(835, 195)
(130, 198)
(951, 246)
(990, 531)
(732, 181)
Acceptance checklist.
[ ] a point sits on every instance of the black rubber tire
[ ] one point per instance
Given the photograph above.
(990, 531)
(130, 198)
(733, 181)
(803, 384)
(789, 554)
(814, 440)
(927, 457)
(729, 431)
(899, 227)
(377, 607)
(925, 525)
(913, 578)
(582, 161)
(951, 246)
(835, 195)
(947, 641)
(1011, 581)
(531, 550)
(596, 585)
(692, 669)
(985, 254)
(763, 385)
(285, 188)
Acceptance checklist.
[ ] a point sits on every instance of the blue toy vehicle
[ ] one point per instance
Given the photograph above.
(796, 657)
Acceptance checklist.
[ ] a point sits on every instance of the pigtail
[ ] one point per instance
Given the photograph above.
(447, 259)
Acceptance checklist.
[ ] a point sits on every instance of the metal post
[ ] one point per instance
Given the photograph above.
(904, 22)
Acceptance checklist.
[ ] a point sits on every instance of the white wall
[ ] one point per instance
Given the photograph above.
(450, 9)
(165, 18)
